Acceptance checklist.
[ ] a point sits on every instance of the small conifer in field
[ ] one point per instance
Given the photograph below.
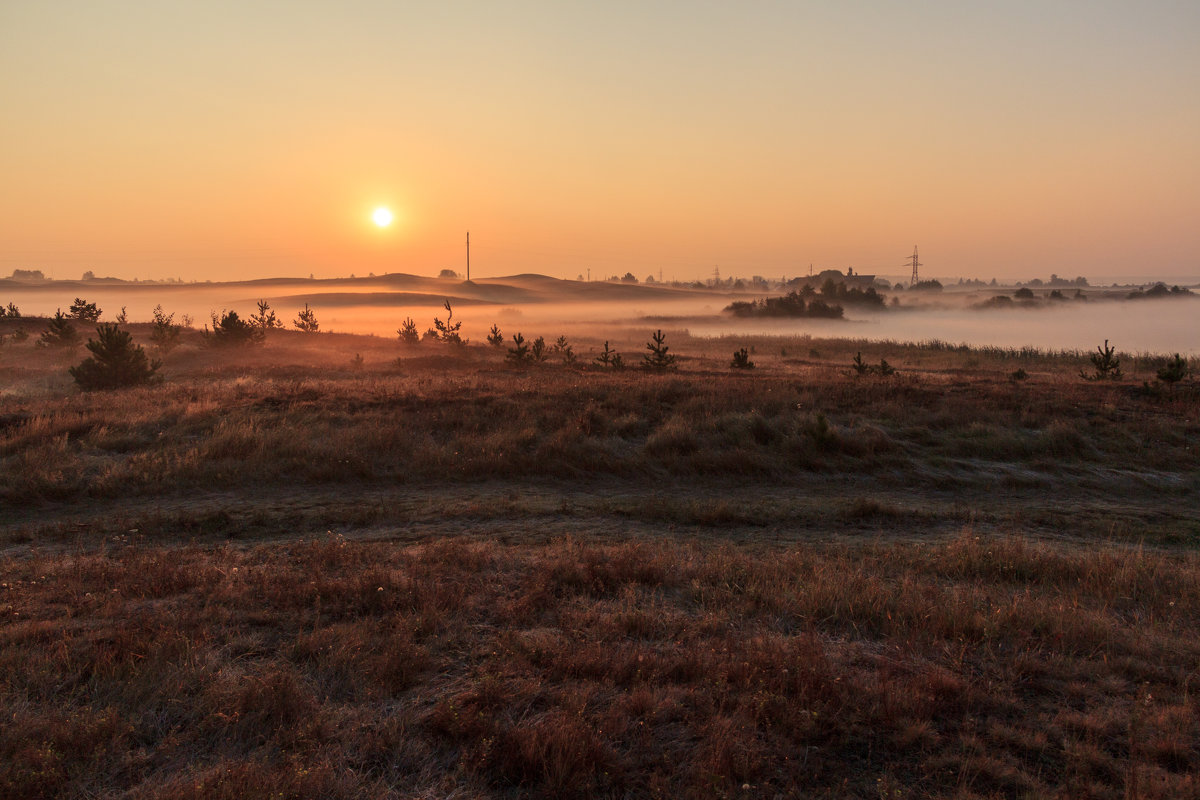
(408, 332)
(84, 311)
(115, 362)
(495, 338)
(538, 351)
(658, 359)
(1105, 363)
(741, 360)
(165, 333)
(230, 330)
(519, 352)
(1175, 370)
(306, 320)
(60, 332)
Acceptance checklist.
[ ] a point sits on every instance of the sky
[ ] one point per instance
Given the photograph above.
(225, 140)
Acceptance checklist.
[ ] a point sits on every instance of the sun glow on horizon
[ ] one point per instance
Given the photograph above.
(382, 217)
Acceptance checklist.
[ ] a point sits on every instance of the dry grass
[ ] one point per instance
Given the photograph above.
(981, 667)
(692, 635)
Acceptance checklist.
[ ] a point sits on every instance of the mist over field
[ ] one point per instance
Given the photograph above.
(541, 306)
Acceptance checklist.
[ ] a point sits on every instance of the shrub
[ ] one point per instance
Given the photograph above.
(519, 352)
(60, 333)
(10, 311)
(265, 319)
(230, 330)
(408, 332)
(1024, 293)
(448, 331)
(860, 366)
(609, 358)
(84, 311)
(115, 362)
(658, 359)
(1019, 375)
(306, 320)
(1175, 370)
(1107, 365)
(538, 351)
(564, 350)
(495, 338)
(165, 333)
(741, 360)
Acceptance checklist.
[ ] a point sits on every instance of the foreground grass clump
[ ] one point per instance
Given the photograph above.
(980, 667)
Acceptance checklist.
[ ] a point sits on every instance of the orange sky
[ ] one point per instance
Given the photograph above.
(253, 139)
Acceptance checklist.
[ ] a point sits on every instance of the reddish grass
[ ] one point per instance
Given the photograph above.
(981, 667)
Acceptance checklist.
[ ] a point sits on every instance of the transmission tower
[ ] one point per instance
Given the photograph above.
(915, 264)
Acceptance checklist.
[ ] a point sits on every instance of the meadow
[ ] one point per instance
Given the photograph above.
(333, 565)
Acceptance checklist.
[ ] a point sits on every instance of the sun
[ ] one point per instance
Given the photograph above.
(382, 216)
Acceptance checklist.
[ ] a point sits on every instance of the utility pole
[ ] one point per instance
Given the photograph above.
(468, 255)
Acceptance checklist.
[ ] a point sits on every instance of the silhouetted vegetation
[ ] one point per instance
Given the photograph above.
(792, 304)
(1105, 364)
(306, 320)
(494, 337)
(610, 358)
(60, 333)
(116, 362)
(448, 331)
(264, 320)
(164, 334)
(658, 359)
(84, 311)
(741, 360)
(408, 332)
(519, 352)
(1175, 370)
(230, 330)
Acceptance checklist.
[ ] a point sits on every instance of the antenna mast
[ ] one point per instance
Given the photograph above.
(915, 264)
(468, 255)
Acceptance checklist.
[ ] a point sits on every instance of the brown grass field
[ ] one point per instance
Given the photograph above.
(280, 574)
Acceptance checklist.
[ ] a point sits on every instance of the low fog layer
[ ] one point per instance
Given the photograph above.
(540, 306)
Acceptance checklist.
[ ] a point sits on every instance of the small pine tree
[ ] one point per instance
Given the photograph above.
(115, 362)
(519, 352)
(121, 318)
(20, 335)
(165, 333)
(495, 338)
(605, 359)
(408, 332)
(658, 359)
(356, 363)
(84, 311)
(306, 320)
(885, 369)
(538, 351)
(448, 331)
(1175, 370)
(230, 330)
(564, 350)
(1107, 365)
(12, 310)
(265, 320)
(60, 332)
(741, 360)
(860, 366)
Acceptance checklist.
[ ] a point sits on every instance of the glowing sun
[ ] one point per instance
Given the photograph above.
(382, 217)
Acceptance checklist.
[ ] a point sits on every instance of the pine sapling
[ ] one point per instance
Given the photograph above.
(519, 352)
(494, 337)
(408, 332)
(741, 360)
(306, 320)
(658, 359)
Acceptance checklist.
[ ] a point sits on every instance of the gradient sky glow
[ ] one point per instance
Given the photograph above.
(224, 140)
